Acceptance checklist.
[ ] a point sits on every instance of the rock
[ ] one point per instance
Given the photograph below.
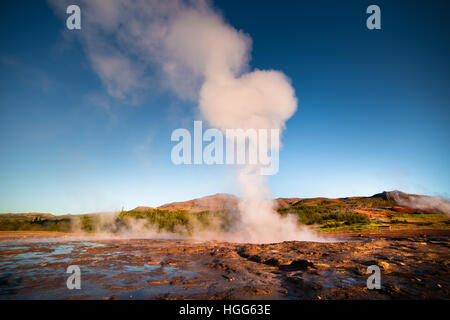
(296, 280)
(384, 265)
(299, 264)
(159, 282)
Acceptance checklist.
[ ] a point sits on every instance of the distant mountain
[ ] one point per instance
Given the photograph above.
(384, 207)
(287, 202)
(396, 200)
(215, 202)
(28, 215)
(142, 208)
(403, 202)
(393, 195)
(220, 201)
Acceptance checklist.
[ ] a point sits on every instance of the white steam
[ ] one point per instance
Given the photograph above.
(196, 54)
(426, 203)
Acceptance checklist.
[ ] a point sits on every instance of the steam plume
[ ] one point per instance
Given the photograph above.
(426, 203)
(196, 54)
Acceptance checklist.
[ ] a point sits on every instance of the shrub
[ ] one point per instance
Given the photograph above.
(310, 215)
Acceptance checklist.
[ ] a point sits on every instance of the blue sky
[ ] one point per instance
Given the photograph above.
(373, 109)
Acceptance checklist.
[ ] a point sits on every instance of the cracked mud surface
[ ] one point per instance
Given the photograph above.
(411, 268)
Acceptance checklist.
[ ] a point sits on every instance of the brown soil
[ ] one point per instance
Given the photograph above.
(413, 266)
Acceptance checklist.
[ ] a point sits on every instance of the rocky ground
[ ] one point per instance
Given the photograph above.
(412, 267)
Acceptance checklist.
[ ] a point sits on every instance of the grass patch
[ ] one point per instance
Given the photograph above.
(35, 224)
(399, 221)
(180, 221)
(419, 217)
(342, 227)
(318, 215)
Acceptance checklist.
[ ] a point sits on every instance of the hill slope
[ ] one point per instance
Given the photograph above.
(215, 202)
(381, 210)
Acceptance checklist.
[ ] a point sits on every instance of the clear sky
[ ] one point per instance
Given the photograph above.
(374, 109)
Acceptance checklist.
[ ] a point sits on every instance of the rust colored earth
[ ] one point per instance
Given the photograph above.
(33, 266)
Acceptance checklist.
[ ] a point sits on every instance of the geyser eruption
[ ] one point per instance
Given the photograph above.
(259, 221)
(231, 98)
(200, 57)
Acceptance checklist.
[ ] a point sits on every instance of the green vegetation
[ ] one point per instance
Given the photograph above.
(163, 220)
(335, 215)
(368, 202)
(435, 220)
(342, 227)
(398, 221)
(180, 221)
(420, 217)
(328, 215)
(319, 215)
(88, 223)
(34, 223)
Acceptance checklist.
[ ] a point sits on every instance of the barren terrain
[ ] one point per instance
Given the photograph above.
(33, 266)
(407, 236)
